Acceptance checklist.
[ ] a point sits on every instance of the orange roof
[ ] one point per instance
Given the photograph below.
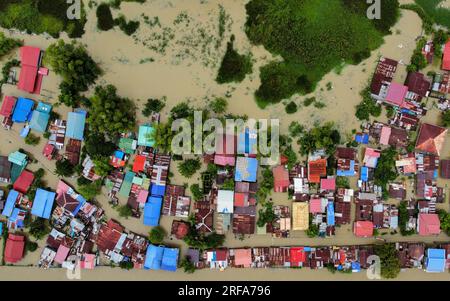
(139, 163)
(431, 138)
(317, 169)
(363, 229)
(243, 257)
(240, 199)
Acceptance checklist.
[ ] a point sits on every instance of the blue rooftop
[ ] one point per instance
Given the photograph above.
(435, 262)
(10, 203)
(364, 173)
(157, 190)
(153, 257)
(347, 173)
(247, 142)
(330, 214)
(43, 203)
(152, 211)
(246, 169)
(39, 121)
(23, 110)
(362, 138)
(75, 125)
(170, 259)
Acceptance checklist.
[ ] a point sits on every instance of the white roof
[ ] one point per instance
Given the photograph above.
(225, 201)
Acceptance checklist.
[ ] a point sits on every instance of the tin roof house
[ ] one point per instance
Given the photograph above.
(40, 117)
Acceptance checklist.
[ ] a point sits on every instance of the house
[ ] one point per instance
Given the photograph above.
(242, 257)
(347, 164)
(418, 86)
(40, 117)
(246, 169)
(397, 191)
(76, 122)
(161, 258)
(406, 164)
(23, 110)
(382, 77)
(431, 138)
(179, 229)
(244, 219)
(6, 110)
(371, 157)
(29, 79)
(328, 184)
(61, 254)
(15, 245)
(363, 228)
(43, 203)
(10, 204)
(73, 151)
(5, 170)
(300, 216)
(298, 256)
(108, 237)
(217, 259)
(23, 183)
(225, 201)
(396, 94)
(49, 151)
(446, 57)
(225, 152)
(280, 179)
(316, 170)
(428, 224)
(204, 214)
(435, 261)
(444, 168)
(145, 136)
(89, 169)
(152, 211)
(175, 202)
(342, 206)
(57, 131)
(18, 158)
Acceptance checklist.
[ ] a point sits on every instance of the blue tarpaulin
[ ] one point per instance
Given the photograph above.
(347, 173)
(152, 211)
(170, 259)
(153, 257)
(362, 138)
(43, 203)
(435, 260)
(356, 267)
(23, 109)
(157, 190)
(10, 203)
(364, 173)
(330, 214)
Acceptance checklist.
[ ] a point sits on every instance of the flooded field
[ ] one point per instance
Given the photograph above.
(171, 60)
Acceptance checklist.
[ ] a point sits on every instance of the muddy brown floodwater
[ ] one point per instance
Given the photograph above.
(171, 60)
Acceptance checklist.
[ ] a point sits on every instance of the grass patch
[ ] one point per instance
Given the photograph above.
(39, 16)
(332, 32)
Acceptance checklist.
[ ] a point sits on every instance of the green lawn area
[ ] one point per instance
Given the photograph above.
(313, 37)
(39, 16)
(440, 15)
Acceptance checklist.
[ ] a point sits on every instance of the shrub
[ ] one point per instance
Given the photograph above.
(196, 192)
(157, 235)
(129, 27)
(189, 167)
(291, 108)
(64, 168)
(7, 44)
(219, 105)
(105, 19)
(39, 228)
(126, 265)
(187, 265)
(234, 66)
(32, 139)
(31, 246)
(125, 211)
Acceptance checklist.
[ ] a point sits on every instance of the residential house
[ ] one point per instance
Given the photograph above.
(40, 117)
(444, 169)
(281, 179)
(347, 163)
(428, 224)
(225, 154)
(435, 260)
(382, 78)
(246, 169)
(363, 228)
(446, 57)
(418, 86)
(145, 135)
(14, 248)
(431, 138)
(6, 110)
(76, 122)
(5, 170)
(152, 211)
(23, 110)
(300, 216)
(175, 202)
(43, 203)
(179, 229)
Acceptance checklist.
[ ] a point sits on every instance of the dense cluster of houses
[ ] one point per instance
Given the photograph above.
(81, 235)
(432, 259)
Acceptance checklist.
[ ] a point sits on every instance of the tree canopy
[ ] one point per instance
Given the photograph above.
(110, 113)
(234, 66)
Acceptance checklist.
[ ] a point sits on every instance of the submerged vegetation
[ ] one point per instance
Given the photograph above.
(440, 15)
(234, 66)
(332, 32)
(40, 16)
(7, 44)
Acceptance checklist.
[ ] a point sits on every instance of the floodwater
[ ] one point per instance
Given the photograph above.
(179, 60)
